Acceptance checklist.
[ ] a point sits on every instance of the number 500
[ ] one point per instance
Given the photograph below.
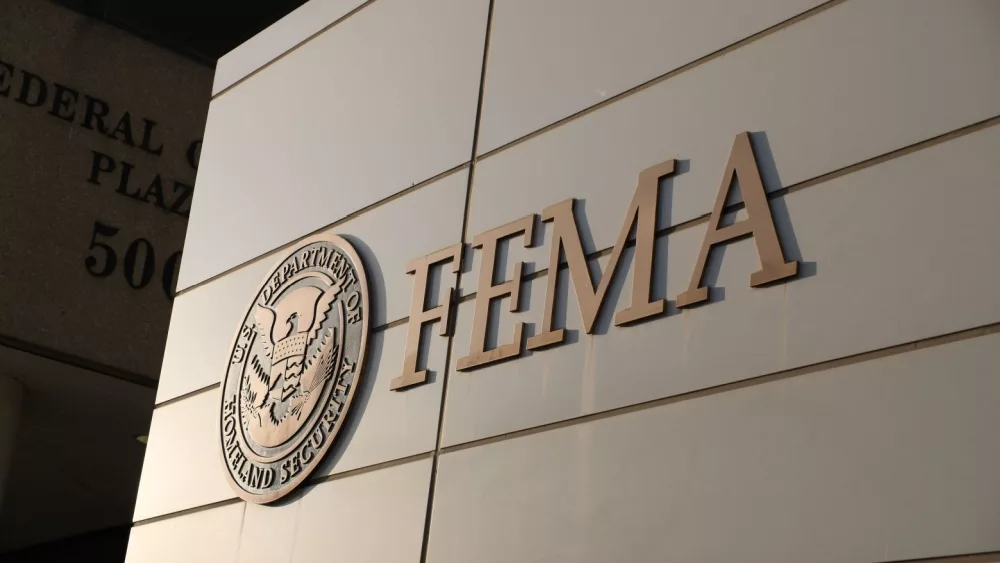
(139, 264)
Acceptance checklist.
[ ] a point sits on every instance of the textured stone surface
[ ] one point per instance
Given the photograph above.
(47, 206)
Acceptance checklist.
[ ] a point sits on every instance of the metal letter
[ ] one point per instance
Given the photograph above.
(419, 316)
(758, 224)
(565, 235)
(487, 291)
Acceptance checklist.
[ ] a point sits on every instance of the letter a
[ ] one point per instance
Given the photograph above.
(742, 165)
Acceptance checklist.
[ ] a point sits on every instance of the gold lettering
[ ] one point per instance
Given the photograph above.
(565, 235)
(487, 291)
(419, 316)
(742, 166)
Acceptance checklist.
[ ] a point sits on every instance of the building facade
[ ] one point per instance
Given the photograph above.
(98, 156)
(671, 281)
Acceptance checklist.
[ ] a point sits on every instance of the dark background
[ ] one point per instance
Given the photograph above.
(203, 30)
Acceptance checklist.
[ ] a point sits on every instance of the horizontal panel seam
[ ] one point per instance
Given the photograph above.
(186, 511)
(370, 468)
(781, 192)
(599, 105)
(334, 224)
(666, 76)
(799, 186)
(209, 387)
(306, 484)
(70, 359)
(288, 51)
(983, 557)
(581, 113)
(818, 367)
(187, 395)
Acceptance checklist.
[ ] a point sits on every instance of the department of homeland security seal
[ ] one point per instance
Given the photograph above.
(297, 359)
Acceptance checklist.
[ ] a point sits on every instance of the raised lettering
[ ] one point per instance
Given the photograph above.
(318, 437)
(566, 236)
(742, 167)
(330, 416)
(346, 367)
(335, 264)
(237, 460)
(353, 300)
(341, 269)
(420, 315)
(242, 471)
(487, 291)
(307, 453)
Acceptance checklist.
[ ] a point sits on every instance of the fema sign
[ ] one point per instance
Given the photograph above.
(299, 351)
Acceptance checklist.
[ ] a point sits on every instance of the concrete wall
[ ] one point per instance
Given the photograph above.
(95, 127)
(96, 177)
(845, 416)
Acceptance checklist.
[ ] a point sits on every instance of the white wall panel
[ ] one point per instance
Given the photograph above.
(205, 319)
(183, 466)
(892, 459)
(376, 104)
(550, 59)
(884, 459)
(208, 536)
(278, 38)
(853, 82)
(377, 517)
(203, 325)
(898, 252)
(385, 425)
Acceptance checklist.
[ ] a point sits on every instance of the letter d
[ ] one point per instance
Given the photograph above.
(26, 90)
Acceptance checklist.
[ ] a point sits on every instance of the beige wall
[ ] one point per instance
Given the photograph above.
(847, 415)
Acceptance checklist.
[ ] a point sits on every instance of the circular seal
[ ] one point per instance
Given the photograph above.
(297, 358)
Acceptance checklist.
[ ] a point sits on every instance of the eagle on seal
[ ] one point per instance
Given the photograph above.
(282, 379)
